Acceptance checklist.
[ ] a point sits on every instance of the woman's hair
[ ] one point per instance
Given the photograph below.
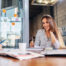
(53, 28)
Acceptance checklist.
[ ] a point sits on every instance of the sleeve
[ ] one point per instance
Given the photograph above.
(57, 44)
(37, 40)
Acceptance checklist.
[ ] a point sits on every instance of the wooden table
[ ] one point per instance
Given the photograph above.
(45, 61)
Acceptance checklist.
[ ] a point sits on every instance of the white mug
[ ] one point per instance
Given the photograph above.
(22, 47)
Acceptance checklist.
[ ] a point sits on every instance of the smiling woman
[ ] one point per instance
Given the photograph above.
(49, 35)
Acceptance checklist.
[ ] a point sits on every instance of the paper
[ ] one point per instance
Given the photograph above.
(36, 49)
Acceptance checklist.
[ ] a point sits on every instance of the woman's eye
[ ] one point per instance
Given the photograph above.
(43, 23)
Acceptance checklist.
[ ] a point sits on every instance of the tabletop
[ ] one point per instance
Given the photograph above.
(44, 61)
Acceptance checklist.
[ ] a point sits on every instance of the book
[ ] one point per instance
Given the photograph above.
(16, 53)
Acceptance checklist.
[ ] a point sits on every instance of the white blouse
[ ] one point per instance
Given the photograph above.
(43, 42)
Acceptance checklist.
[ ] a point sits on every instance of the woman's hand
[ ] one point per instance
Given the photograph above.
(53, 38)
(31, 44)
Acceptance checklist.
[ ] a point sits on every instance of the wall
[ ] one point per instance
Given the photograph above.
(60, 13)
(60, 16)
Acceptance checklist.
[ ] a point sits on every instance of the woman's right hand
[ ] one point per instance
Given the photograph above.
(31, 44)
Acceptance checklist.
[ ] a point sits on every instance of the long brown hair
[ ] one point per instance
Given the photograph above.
(54, 29)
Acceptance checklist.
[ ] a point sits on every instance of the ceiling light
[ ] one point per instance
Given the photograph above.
(44, 2)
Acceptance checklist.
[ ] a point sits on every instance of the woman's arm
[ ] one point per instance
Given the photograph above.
(54, 41)
(37, 40)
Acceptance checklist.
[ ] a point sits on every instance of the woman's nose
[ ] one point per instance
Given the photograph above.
(45, 24)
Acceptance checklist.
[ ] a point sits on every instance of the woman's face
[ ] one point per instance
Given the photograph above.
(46, 24)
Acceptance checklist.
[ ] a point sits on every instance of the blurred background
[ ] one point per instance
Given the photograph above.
(20, 19)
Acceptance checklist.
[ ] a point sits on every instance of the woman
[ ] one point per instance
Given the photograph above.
(48, 36)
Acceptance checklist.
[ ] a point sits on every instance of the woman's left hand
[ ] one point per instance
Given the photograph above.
(53, 38)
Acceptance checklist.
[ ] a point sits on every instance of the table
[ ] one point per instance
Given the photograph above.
(45, 61)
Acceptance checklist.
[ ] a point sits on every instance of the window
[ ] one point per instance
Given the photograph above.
(6, 3)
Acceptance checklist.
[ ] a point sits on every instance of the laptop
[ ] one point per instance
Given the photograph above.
(54, 52)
